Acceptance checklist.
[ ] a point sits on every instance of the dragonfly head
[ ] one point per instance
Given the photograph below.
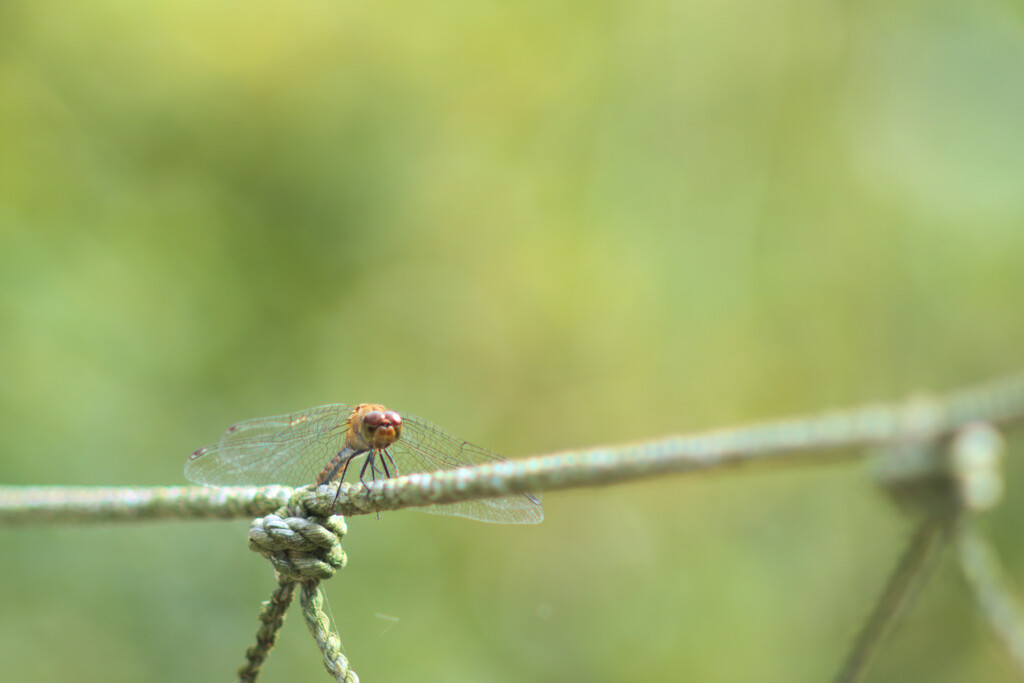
(373, 426)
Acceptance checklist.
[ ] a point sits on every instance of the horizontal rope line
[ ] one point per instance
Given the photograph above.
(921, 418)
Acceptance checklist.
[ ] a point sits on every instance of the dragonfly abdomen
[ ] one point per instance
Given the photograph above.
(335, 467)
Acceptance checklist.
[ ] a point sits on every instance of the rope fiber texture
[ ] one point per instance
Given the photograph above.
(304, 549)
(939, 457)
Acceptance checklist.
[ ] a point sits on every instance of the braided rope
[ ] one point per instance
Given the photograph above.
(304, 548)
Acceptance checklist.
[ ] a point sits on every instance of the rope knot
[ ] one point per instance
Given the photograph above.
(300, 545)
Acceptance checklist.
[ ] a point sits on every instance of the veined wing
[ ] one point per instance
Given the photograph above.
(283, 449)
(293, 449)
(425, 447)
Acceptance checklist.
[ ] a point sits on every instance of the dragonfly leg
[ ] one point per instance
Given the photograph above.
(393, 472)
(368, 463)
(340, 461)
(344, 469)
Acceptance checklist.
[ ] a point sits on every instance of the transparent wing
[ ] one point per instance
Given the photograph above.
(283, 449)
(293, 449)
(425, 447)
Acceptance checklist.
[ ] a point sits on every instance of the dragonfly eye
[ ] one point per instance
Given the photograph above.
(374, 418)
(394, 418)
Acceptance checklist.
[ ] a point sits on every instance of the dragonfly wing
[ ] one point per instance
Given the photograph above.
(282, 449)
(425, 447)
(517, 509)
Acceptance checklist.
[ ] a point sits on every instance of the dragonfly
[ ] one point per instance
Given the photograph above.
(321, 445)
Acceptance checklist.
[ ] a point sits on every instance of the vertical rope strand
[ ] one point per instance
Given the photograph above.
(271, 619)
(983, 573)
(899, 590)
(326, 638)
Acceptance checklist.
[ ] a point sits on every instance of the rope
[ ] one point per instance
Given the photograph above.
(304, 548)
(944, 483)
(818, 439)
(63, 504)
(939, 457)
(908, 576)
(326, 639)
(271, 619)
(300, 548)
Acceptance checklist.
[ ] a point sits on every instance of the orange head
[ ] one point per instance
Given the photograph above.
(372, 426)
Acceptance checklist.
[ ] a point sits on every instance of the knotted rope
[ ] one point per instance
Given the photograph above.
(304, 548)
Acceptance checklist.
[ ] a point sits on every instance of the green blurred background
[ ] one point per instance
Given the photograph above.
(541, 225)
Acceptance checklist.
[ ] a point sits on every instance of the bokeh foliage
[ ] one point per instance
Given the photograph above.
(541, 225)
